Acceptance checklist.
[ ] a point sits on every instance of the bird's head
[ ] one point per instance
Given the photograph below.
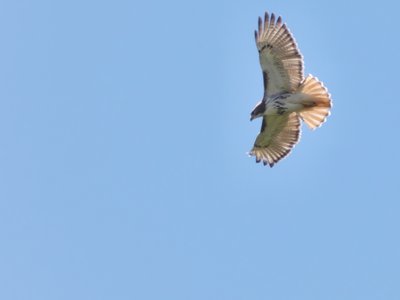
(258, 110)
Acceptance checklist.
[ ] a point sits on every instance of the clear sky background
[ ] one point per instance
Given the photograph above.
(124, 127)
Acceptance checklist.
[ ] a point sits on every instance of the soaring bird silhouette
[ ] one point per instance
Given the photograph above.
(288, 96)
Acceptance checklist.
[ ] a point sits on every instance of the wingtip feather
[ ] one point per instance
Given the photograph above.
(266, 21)
(272, 20)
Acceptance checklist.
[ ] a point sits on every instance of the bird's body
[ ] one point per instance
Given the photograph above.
(288, 96)
(284, 103)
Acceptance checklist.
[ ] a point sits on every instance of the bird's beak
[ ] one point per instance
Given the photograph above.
(251, 118)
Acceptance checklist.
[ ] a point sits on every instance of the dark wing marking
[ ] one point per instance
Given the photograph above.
(265, 80)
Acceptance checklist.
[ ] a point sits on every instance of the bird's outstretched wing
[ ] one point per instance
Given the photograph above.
(280, 59)
(279, 133)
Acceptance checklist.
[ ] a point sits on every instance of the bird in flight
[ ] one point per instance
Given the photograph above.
(288, 96)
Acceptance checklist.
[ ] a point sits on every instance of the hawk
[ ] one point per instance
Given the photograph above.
(288, 96)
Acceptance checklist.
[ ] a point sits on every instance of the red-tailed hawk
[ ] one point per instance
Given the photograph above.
(288, 96)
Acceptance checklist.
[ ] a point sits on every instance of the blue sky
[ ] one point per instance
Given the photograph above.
(124, 128)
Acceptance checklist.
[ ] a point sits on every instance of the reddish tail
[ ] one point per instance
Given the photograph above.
(318, 103)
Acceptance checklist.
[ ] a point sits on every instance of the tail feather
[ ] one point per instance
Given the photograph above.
(317, 104)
